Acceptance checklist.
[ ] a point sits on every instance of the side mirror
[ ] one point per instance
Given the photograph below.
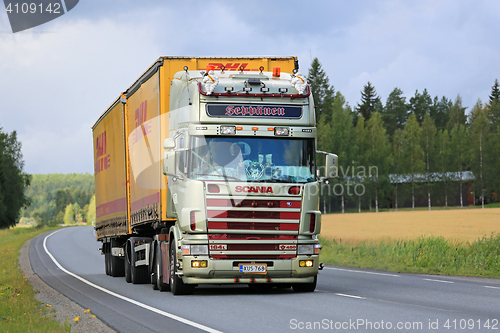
(169, 163)
(331, 166)
(169, 143)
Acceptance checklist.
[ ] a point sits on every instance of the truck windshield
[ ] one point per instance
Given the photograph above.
(252, 159)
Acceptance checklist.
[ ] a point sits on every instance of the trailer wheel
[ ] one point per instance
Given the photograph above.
(176, 285)
(305, 287)
(138, 274)
(106, 257)
(116, 264)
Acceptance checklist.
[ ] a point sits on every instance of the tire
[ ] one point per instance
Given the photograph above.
(106, 259)
(177, 287)
(138, 274)
(116, 264)
(128, 276)
(305, 287)
(106, 263)
(161, 286)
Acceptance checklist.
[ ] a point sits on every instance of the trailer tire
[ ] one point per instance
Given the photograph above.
(106, 263)
(177, 286)
(116, 264)
(305, 287)
(138, 274)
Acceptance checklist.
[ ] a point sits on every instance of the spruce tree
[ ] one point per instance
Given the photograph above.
(494, 105)
(323, 92)
(369, 100)
(395, 112)
(420, 104)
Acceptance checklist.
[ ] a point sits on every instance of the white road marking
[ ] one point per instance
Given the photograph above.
(443, 281)
(351, 296)
(492, 287)
(355, 271)
(147, 307)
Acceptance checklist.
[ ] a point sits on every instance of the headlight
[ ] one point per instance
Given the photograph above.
(305, 249)
(199, 250)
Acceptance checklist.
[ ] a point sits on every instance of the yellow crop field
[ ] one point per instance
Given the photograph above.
(455, 225)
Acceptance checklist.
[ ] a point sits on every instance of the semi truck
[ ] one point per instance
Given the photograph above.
(205, 173)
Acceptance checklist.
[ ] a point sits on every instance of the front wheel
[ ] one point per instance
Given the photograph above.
(176, 285)
(305, 287)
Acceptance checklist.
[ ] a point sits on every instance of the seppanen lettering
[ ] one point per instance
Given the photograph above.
(254, 111)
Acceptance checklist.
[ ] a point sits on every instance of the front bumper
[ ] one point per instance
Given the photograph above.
(227, 271)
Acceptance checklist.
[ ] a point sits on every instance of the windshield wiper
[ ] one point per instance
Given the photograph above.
(223, 176)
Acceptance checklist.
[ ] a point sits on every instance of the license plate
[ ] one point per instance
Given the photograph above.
(253, 268)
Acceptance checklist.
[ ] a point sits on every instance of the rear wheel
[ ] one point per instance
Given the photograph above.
(176, 285)
(305, 287)
(160, 285)
(128, 276)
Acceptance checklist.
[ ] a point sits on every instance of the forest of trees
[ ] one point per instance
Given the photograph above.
(13, 180)
(390, 154)
(61, 198)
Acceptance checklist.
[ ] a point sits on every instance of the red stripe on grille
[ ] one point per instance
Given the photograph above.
(253, 226)
(241, 214)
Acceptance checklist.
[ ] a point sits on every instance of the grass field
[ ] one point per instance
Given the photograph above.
(449, 242)
(454, 224)
(19, 310)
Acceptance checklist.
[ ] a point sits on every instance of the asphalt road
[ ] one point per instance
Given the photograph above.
(346, 300)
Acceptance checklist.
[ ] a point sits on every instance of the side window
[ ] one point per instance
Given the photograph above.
(181, 154)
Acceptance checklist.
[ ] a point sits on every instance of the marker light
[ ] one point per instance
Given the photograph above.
(186, 68)
(264, 89)
(185, 250)
(294, 190)
(312, 223)
(276, 71)
(261, 68)
(317, 247)
(281, 131)
(247, 89)
(239, 128)
(255, 128)
(229, 89)
(283, 90)
(222, 68)
(199, 263)
(228, 130)
(192, 221)
(306, 263)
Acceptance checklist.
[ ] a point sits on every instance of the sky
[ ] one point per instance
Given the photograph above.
(58, 78)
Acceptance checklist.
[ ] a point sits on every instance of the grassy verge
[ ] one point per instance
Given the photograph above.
(19, 310)
(430, 255)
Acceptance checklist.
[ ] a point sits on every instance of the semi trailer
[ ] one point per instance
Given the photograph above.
(205, 173)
